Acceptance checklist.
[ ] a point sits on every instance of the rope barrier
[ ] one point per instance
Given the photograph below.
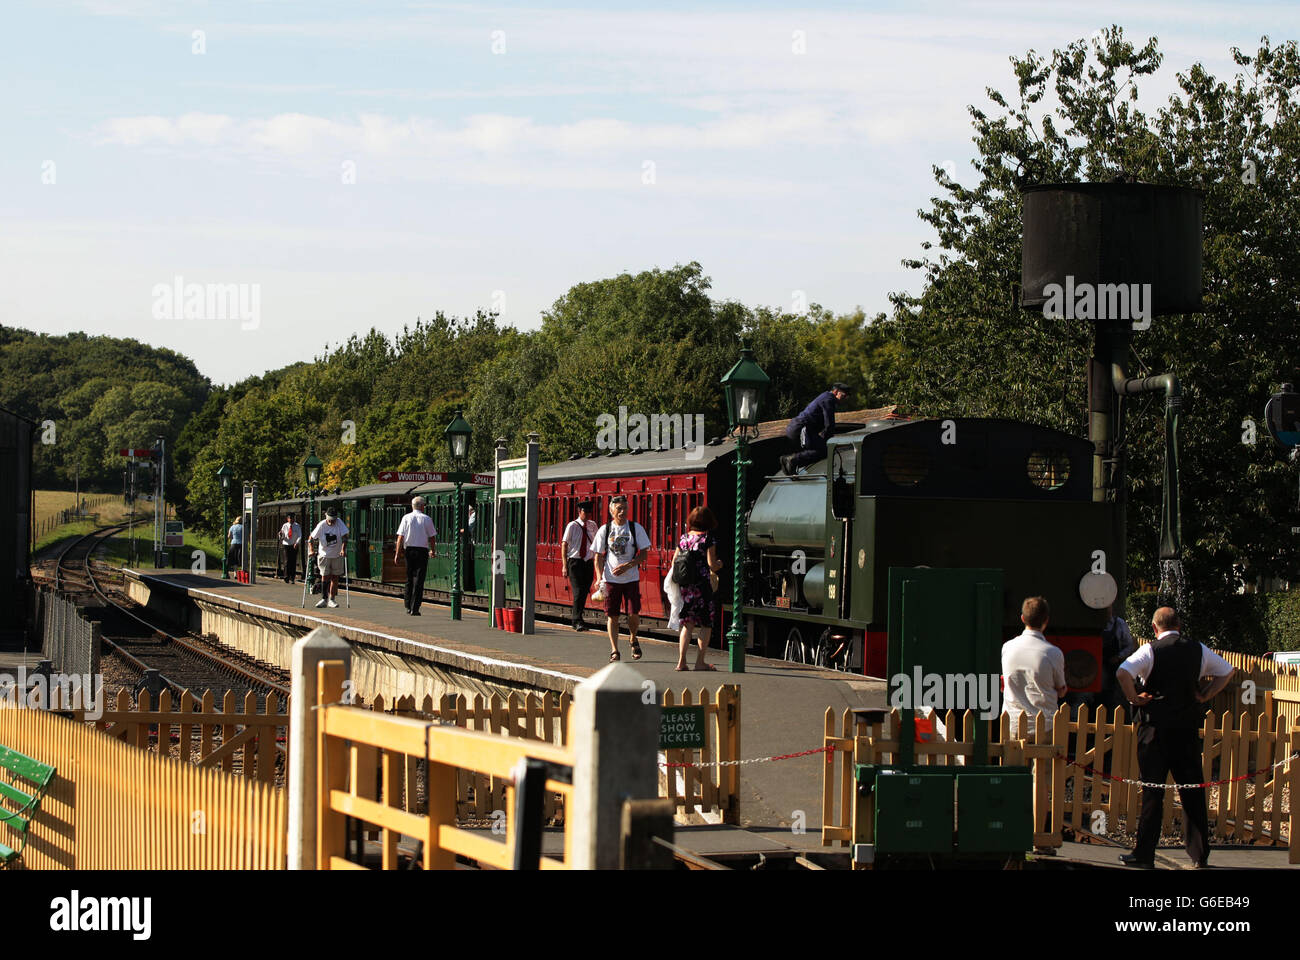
(737, 763)
(1182, 786)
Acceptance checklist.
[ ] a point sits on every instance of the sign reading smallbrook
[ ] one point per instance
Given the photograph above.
(681, 728)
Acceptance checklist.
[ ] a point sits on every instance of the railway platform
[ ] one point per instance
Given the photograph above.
(783, 703)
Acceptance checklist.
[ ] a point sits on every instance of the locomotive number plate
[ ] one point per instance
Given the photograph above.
(783, 603)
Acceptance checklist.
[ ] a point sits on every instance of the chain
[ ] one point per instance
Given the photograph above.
(739, 763)
(1183, 786)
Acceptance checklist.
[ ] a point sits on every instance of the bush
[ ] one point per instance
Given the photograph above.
(1247, 622)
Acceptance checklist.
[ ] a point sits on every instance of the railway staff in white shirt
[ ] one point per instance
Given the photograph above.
(579, 561)
(290, 537)
(416, 536)
(1033, 671)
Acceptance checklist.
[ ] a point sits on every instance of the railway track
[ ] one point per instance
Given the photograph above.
(183, 663)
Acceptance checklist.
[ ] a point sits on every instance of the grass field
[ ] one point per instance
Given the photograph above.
(110, 510)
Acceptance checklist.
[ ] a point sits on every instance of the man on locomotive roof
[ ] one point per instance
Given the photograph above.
(620, 549)
(416, 535)
(1033, 670)
(331, 535)
(812, 428)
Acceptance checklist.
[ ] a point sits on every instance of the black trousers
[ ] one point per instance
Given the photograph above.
(1161, 752)
(812, 445)
(581, 573)
(417, 563)
(236, 555)
(290, 562)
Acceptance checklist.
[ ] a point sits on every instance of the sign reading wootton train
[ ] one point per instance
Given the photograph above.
(424, 476)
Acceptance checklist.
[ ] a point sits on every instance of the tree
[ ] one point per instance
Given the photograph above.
(968, 349)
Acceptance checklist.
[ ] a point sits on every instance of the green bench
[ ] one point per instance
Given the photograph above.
(23, 782)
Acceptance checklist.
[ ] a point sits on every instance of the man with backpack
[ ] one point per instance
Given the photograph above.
(620, 549)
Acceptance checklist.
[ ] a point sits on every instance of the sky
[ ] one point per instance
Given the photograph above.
(249, 181)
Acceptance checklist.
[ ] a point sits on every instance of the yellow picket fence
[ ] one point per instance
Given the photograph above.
(1261, 688)
(1078, 769)
(360, 756)
(112, 806)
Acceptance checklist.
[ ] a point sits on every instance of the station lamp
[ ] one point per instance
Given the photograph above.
(745, 385)
(224, 474)
(311, 468)
(458, 434)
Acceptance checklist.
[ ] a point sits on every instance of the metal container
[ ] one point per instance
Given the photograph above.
(789, 514)
(1113, 233)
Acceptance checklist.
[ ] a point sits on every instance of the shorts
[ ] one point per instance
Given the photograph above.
(331, 566)
(617, 593)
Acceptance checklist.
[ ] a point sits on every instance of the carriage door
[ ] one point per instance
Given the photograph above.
(362, 536)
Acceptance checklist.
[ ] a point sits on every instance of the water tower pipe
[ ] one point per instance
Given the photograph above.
(1171, 531)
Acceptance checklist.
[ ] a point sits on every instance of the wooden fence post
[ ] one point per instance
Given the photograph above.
(321, 644)
(615, 739)
(1293, 855)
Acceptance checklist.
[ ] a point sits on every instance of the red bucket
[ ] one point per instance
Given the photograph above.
(514, 620)
(496, 617)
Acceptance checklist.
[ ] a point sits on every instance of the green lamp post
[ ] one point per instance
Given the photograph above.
(457, 434)
(311, 470)
(224, 475)
(745, 385)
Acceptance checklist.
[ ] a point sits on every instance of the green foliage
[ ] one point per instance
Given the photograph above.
(102, 393)
(969, 349)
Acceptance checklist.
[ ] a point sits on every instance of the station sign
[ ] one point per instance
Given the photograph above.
(681, 728)
(145, 452)
(425, 476)
(174, 534)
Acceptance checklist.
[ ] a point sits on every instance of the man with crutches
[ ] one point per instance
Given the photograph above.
(331, 538)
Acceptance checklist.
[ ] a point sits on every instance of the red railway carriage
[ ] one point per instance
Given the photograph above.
(662, 488)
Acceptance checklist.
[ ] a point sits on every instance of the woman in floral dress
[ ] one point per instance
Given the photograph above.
(698, 606)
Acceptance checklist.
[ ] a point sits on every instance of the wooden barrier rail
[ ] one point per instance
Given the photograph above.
(1072, 766)
(1274, 689)
(232, 733)
(360, 754)
(111, 806)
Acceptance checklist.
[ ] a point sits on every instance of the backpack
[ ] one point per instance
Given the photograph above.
(686, 568)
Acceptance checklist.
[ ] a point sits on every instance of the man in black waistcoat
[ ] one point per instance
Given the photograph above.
(1169, 710)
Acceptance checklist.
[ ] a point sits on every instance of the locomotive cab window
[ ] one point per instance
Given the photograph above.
(843, 468)
(1048, 469)
(905, 464)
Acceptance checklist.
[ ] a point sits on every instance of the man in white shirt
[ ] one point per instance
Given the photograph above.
(578, 559)
(620, 549)
(1179, 676)
(416, 536)
(290, 537)
(1033, 672)
(331, 538)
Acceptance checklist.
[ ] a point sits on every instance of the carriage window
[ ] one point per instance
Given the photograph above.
(906, 465)
(1048, 469)
(843, 468)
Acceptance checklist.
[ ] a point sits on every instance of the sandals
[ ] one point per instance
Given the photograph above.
(636, 650)
(615, 657)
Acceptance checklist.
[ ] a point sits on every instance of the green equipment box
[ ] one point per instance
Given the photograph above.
(914, 811)
(996, 810)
